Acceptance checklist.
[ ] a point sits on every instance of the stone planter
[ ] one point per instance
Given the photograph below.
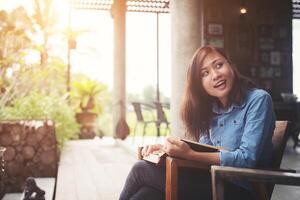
(30, 151)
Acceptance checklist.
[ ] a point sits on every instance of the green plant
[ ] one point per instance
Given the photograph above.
(86, 94)
(38, 106)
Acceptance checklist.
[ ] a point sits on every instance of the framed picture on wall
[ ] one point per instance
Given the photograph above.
(277, 72)
(245, 38)
(265, 57)
(266, 44)
(275, 58)
(262, 72)
(253, 71)
(215, 29)
(216, 42)
(266, 72)
(269, 72)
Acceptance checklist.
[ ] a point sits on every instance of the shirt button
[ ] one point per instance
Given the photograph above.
(234, 121)
(221, 125)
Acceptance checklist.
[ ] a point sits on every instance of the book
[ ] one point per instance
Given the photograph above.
(159, 157)
(196, 146)
(156, 157)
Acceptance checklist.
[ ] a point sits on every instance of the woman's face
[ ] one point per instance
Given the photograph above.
(217, 77)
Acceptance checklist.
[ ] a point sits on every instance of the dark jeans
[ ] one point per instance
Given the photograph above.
(147, 182)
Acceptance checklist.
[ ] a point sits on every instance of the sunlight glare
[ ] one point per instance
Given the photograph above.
(93, 55)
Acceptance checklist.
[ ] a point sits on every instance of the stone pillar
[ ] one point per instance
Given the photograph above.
(119, 87)
(187, 35)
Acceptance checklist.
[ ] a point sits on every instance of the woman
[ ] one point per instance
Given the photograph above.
(221, 108)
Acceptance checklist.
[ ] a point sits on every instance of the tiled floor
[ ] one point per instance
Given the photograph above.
(92, 169)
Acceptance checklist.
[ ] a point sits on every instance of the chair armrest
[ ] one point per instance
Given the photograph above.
(182, 163)
(279, 170)
(220, 173)
(271, 176)
(285, 170)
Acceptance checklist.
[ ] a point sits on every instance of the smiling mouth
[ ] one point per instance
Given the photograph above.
(220, 84)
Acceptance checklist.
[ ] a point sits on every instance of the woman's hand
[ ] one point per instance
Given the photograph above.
(150, 148)
(175, 147)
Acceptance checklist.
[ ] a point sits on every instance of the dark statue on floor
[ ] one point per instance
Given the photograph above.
(32, 191)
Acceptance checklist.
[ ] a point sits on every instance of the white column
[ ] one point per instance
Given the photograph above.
(187, 36)
(119, 87)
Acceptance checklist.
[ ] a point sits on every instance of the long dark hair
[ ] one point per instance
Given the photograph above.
(196, 107)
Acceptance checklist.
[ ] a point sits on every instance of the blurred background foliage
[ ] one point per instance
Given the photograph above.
(85, 90)
(35, 88)
(39, 106)
(33, 80)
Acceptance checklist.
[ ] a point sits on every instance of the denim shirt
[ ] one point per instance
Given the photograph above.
(245, 130)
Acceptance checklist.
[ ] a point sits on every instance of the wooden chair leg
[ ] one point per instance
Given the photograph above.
(167, 129)
(135, 129)
(157, 129)
(171, 180)
(144, 129)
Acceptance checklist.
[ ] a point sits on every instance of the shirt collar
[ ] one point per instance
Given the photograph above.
(217, 109)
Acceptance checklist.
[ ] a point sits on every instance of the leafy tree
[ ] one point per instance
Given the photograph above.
(15, 41)
(149, 93)
(49, 80)
(44, 17)
(15, 38)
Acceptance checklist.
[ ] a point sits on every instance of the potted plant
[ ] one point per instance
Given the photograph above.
(86, 94)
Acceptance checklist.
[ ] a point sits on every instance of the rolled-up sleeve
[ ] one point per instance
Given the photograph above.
(258, 129)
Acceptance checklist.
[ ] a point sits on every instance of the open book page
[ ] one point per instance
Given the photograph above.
(158, 157)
